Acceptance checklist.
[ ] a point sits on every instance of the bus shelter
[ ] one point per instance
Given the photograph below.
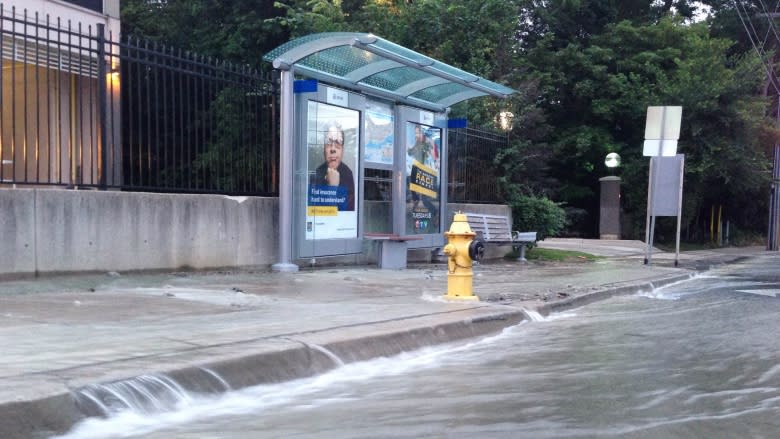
(363, 145)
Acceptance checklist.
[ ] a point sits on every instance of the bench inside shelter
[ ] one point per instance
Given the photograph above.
(392, 249)
(497, 230)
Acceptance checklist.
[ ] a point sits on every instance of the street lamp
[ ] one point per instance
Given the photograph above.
(609, 213)
(612, 160)
(505, 120)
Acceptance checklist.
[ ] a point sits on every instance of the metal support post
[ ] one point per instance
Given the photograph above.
(286, 174)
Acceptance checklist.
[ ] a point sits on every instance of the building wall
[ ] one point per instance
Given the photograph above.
(49, 129)
(66, 11)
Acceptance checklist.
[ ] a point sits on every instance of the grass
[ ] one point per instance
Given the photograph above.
(548, 254)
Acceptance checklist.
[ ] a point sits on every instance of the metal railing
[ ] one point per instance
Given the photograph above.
(49, 90)
(191, 123)
(471, 172)
(82, 110)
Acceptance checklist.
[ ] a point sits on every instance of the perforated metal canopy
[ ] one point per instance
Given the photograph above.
(375, 66)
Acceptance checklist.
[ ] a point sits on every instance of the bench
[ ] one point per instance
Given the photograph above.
(392, 249)
(497, 229)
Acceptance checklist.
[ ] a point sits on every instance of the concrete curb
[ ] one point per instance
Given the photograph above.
(306, 354)
(579, 300)
(284, 357)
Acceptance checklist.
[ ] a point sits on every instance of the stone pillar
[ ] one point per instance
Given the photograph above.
(609, 214)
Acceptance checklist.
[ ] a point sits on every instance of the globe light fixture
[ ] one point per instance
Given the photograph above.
(505, 120)
(612, 160)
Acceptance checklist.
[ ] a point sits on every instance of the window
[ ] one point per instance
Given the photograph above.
(94, 5)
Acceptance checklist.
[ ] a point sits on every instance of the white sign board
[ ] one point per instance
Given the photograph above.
(667, 147)
(662, 130)
(668, 185)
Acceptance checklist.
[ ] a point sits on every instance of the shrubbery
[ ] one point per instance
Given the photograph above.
(540, 215)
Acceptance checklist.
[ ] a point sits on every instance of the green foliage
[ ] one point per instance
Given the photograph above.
(303, 17)
(240, 31)
(234, 156)
(585, 71)
(549, 254)
(596, 93)
(537, 214)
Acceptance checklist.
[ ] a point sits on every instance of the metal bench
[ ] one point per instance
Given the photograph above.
(392, 249)
(497, 230)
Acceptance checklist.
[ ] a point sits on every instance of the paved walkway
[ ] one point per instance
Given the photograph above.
(61, 336)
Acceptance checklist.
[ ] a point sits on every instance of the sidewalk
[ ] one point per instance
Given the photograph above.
(216, 331)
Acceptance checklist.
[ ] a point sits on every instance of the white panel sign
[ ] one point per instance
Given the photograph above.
(668, 148)
(426, 118)
(668, 185)
(663, 123)
(337, 97)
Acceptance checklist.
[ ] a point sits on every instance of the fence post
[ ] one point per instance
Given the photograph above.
(102, 75)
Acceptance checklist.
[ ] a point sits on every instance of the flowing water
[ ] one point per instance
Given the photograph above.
(695, 359)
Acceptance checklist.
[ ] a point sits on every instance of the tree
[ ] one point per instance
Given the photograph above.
(596, 95)
(239, 31)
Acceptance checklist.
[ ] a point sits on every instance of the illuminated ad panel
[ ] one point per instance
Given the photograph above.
(332, 145)
(379, 134)
(423, 195)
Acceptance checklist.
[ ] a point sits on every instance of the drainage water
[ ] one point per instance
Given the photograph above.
(697, 359)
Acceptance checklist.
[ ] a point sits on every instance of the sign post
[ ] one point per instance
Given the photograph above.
(662, 130)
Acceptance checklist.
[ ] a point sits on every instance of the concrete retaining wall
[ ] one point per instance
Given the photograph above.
(60, 231)
(51, 231)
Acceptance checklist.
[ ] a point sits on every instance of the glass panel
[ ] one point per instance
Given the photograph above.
(339, 60)
(395, 78)
(377, 203)
(458, 73)
(270, 56)
(379, 134)
(403, 51)
(423, 159)
(332, 136)
(439, 92)
(95, 5)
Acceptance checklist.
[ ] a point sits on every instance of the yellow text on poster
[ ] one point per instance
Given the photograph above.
(322, 211)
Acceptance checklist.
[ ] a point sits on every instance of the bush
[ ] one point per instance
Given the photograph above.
(540, 215)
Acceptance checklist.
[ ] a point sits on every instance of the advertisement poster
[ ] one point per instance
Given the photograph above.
(423, 159)
(379, 134)
(332, 145)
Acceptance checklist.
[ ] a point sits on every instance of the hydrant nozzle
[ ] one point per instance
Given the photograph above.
(459, 263)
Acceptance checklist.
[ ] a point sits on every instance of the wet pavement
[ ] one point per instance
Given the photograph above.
(63, 334)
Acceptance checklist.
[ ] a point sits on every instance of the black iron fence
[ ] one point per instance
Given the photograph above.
(471, 172)
(49, 94)
(83, 109)
(191, 123)
(80, 109)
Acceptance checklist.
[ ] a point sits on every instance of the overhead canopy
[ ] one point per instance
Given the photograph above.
(375, 66)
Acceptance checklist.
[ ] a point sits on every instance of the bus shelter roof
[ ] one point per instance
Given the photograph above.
(375, 66)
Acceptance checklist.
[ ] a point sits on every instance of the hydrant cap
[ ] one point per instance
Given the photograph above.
(460, 226)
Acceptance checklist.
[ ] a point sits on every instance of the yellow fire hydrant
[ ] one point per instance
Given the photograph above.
(461, 249)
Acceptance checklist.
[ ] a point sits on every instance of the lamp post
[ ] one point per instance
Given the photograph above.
(609, 212)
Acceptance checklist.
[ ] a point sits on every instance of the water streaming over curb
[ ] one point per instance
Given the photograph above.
(133, 406)
(145, 404)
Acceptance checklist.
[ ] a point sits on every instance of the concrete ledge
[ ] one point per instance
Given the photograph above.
(70, 231)
(579, 300)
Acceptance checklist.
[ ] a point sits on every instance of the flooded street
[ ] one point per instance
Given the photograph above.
(697, 359)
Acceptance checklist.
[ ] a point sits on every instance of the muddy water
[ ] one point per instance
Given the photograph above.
(696, 359)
